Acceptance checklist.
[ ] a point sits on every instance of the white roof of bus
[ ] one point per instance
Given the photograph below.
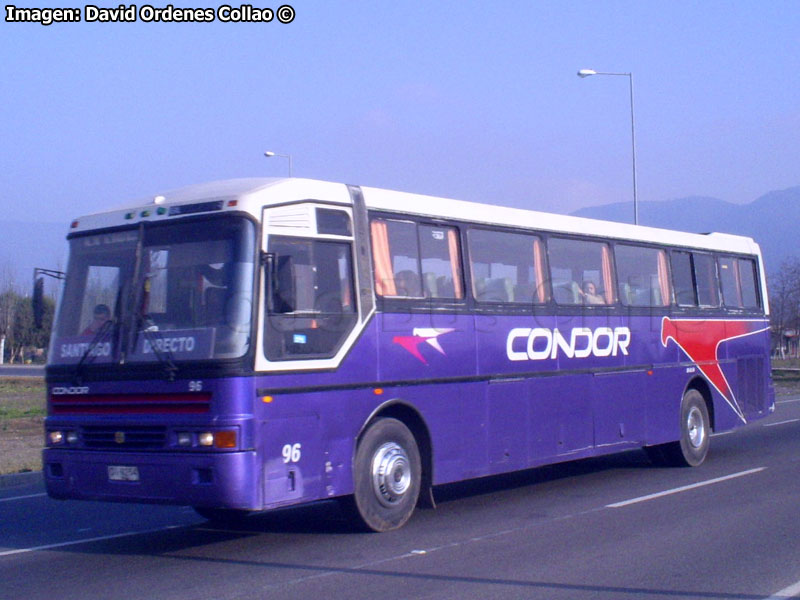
(515, 217)
(254, 193)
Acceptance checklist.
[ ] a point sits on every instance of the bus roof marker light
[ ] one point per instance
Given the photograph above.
(267, 399)
(145, 213)
(73, 225)
(129, 215)
(161, 210)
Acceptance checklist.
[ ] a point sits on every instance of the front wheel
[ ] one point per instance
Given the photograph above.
(386, 472)
(691, 450)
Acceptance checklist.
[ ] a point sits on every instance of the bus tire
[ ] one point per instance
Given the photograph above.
(692, 448)
(386, 476)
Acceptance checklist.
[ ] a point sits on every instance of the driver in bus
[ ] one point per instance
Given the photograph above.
(100, 316)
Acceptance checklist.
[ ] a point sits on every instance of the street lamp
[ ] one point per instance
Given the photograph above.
(583, 73)
(269, 154)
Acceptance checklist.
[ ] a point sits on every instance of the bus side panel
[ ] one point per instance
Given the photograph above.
(293, 462)
(619, 406)
(748, 373)
(560, 417)
(508, 415)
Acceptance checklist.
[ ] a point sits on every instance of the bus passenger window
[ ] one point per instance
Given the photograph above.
(441, 262)
(642, 276)
(395, 252)
(582, 272)
(705, 273)
(748, 277)
(416, 261)
(507, 267)
(729, 279)
(682, 279)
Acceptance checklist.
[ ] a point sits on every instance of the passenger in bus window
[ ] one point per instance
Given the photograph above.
(100, 316)
(590, 295)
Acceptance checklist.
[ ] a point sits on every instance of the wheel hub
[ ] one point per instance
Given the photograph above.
(696, 427)
(391, 473)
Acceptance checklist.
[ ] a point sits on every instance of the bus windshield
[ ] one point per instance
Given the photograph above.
(181, 290)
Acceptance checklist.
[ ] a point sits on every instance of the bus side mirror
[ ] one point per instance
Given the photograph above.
(37, 300)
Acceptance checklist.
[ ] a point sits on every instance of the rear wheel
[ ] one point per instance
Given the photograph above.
(387, 474)
(691, 450)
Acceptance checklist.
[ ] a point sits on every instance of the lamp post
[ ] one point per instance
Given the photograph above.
(583, 73)
(269, 154)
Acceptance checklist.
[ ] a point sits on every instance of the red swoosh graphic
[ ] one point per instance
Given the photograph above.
(700, 340)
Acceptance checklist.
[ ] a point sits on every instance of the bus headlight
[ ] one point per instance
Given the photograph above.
(206, 439)
(184, 438)
(55, 437)
(72, 437)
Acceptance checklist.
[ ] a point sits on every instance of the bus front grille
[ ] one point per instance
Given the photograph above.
(124, 438)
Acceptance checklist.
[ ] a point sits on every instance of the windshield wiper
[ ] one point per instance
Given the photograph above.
(164, 356)
(99, 336)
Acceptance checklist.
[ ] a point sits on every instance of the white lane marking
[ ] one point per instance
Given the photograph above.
(87, 540)
(781, 422)
(22, 497)
(684, 488)
(788, 592)
(788, 401)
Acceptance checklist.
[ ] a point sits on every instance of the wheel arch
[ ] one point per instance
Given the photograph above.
(701, 385)
(399, 409)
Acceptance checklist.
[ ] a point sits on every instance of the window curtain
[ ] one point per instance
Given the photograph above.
(382, 259)
(608, 282)
(452, 242)
(737, 283)
(538, 271)
(663, 278)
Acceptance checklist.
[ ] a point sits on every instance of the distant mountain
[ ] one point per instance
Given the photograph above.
(773, 220)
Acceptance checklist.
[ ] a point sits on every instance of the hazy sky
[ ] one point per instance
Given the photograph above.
(472, 100)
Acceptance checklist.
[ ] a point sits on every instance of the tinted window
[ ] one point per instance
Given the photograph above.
(642, 276)
(439, 258)
(749, 281)
(729, 280)
(581, 272)
(705, 272)
(415, 261)
(682, 279)
(312, 308)
(335, 222)
(507, 267)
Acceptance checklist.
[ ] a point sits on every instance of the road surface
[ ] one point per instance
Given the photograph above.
(611, 527)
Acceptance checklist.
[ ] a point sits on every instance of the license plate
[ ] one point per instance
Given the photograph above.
(123, 473)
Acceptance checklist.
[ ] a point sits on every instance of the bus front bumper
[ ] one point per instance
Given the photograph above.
(223, 480)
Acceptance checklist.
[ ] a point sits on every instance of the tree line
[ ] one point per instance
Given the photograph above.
(784, 303)
(23, 341)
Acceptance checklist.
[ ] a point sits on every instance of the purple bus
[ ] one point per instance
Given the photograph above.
(250, 344)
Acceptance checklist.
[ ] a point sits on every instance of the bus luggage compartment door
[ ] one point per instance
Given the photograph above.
(508, 416)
